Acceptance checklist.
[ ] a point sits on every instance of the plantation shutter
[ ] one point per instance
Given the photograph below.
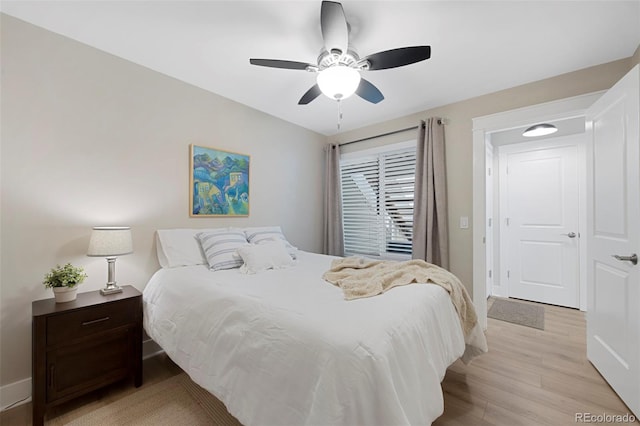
(361, 220)
(398, 188)
(377, 204)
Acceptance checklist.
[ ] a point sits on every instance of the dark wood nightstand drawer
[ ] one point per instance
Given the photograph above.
(86, 322)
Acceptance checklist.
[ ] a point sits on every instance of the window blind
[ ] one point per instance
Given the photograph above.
(377, 203)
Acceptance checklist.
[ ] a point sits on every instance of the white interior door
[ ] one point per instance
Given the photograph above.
(613, 229)
(540, 215)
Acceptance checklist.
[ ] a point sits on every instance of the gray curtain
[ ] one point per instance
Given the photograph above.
(333, 241)
(430, 228)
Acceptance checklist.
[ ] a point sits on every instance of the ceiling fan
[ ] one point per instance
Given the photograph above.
(339, 67)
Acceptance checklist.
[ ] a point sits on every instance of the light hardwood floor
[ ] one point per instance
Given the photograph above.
(529, 377)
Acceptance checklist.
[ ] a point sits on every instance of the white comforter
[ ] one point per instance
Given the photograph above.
(284, 348)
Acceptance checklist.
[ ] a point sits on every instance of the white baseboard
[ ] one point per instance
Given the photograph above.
(19, 392)
(15, 394)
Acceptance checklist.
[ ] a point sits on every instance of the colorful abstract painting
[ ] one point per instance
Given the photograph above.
(219, 182)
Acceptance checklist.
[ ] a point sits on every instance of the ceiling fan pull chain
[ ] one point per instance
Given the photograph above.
(339, 114)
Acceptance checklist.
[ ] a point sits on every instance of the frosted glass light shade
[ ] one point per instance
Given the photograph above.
(338, 82)
(540, 130)
(109, 241)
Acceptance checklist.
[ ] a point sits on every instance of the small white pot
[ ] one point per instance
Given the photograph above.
(65, 294)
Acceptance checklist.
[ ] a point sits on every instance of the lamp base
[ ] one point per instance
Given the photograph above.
(110, 290)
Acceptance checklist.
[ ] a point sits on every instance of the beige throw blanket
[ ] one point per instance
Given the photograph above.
(359, 277)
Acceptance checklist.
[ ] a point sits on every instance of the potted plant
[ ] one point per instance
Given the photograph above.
(64, 281)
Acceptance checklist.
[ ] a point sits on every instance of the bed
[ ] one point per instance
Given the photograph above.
(283, 347)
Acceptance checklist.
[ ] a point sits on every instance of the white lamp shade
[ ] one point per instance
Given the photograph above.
(107, 241)
(338, 82)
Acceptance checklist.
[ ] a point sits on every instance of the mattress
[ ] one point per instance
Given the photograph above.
(283, 347)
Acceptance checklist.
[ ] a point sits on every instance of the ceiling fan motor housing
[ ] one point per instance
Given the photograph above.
(349, 59)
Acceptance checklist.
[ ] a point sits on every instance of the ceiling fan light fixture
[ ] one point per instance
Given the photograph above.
(540, 130)
(338, 82)
(339, 66)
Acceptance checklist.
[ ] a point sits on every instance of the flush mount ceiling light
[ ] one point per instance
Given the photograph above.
(338, 82)
(540, 130)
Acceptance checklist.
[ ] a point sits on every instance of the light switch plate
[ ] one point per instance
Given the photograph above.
(464, 222)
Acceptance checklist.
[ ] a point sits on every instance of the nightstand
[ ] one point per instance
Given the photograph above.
(83, 345)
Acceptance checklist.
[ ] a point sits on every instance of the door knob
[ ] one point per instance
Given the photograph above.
(633, 258)
(571, 234)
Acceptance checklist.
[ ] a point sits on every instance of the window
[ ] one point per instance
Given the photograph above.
(377, 202)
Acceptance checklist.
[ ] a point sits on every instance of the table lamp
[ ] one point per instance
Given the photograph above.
(110, 242)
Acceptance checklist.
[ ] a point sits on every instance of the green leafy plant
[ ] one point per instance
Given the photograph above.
(64, 276)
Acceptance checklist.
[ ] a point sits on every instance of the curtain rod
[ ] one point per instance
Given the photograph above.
(440, 121)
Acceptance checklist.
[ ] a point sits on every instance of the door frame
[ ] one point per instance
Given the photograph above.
(483, 128)
(580, 141)
(490, 255)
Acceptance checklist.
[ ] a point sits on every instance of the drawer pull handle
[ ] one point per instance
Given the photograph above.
(96, 321)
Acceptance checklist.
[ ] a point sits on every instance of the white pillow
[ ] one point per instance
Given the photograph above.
(259, 235)
(179, 247)
(220, 247)
(267, 255)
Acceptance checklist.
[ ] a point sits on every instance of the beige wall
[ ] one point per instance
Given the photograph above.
(458, 136)
(90, 139)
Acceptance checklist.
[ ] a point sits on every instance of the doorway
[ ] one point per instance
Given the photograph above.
(613, 144)
(490, 130)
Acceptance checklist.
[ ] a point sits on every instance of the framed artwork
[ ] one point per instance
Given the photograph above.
(219, 183)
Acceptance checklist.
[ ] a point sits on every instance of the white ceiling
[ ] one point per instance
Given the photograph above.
(478, 47)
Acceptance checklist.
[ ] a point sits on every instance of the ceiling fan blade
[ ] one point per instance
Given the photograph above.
(311, 94)
(367, 91)
(398, 57)
(277, 63)
(333, 23)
